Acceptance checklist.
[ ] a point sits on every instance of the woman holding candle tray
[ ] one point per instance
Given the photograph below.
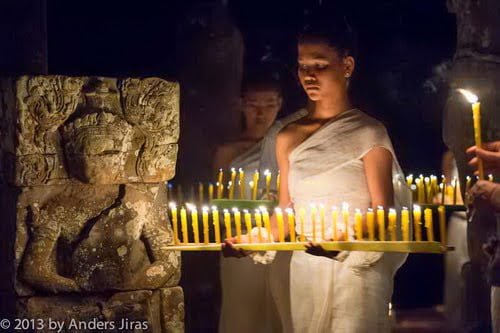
(333, 155)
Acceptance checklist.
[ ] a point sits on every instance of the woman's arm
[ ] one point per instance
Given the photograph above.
(378, 170)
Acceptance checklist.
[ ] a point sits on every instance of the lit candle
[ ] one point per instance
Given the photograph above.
(220, 186)
(215, 221)
(420, 190)
(241, 183)
(227, 223)
(322, 221)
(335, 217)
(405, 224)
(429, 226)
(255, 188)
(302, 219)
(232, 183)
(237, 223)
(173, 211)
(281, 226)
(278, 182)
(251, 185)
(490, 177)
(194, 222)
(409, 180)
(392, 224)
(210, 192)
(427, 189)
(476, 117)
(291, 224)
(442, 225)
(313, 221)
(358, 224)
(381, 222)
(267, 173)
(345, 216)
(454, 185)
(370, 223)
(258, 223)
(417, 221)
(184, 227)
(206, 238)
(248, 224)
(267, 223)
(442, 187)
(200, 192)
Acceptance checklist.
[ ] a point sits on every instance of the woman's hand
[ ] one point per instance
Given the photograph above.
(228, 249)
(316, 250)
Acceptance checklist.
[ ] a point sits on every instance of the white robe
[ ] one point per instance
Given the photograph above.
(255, 297)
(327, 168)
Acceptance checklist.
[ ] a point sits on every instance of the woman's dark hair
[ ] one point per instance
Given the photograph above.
(261, 77)
(335, 31)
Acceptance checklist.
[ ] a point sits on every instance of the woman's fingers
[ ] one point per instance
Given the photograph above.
(228, 250)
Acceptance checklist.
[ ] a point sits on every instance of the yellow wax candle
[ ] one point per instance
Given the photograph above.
(322, 221)
(258, 223)
(476, 117)
(291, 224)
(237, 223)
(278, 182)
(335, 217)
(427, 187)
(227, 224)
(358, 224)
(420, 191)
(313, 221)
(175, 222)
(468, 181)
(220, 182)
(381, 223)
(216, 223)
(429, 226)
(442, 225)
(255, 187)
(232, 183)
(392, 224)
(241, 182)
(267, 173)
(194, 223)
(281, 226)
(417, 222)
(405, 224)
(345, 218)
(267, 223)
(370, 223)
(248, 224)
(200, 192)
(210, 192)
(184, 227)
(250, 184)
(206, 238)
(442, 188)
(409, 180)
(454, 185)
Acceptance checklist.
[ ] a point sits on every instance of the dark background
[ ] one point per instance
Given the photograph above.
(404, 48)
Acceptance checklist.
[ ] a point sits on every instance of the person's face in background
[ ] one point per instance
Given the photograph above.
(260, 108)
(322, 71)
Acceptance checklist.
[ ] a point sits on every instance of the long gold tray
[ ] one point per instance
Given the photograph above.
(373, 246)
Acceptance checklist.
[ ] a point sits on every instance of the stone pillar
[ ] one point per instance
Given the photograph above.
(83, 165)
(476, 67)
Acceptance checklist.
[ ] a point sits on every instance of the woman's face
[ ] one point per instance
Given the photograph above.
(322, 71)
(260, 108)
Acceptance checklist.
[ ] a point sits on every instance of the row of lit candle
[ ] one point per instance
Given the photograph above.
(427, 191)
(340, 222)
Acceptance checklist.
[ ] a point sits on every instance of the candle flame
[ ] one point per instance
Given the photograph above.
(267, 172)
(405, 208)
(240, 170)
(289, 211)
(245, 211)
(233, 170)
(471, 98)
(392, 210)
(235, 210)
(370, 210)
(358, 211)
(277, 210)
(380, 207)
(204, 209)
(172, 205)
(190, 206)
(214, 208)
(416, 208)
(334, 208)
(345, 206)
(263, 209)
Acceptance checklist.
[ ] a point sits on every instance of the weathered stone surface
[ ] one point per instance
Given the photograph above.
(55, 128)
(134, 311)
(83, 163)
(476, 67)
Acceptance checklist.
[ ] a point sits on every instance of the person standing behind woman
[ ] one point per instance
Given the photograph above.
(333, 155)
(247, 303)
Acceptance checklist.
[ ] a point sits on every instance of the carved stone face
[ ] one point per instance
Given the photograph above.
(97, 147)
